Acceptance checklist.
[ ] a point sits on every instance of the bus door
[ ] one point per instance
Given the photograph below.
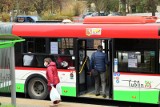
(81, 66)
(85, 82)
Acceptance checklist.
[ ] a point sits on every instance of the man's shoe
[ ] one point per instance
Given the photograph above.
(97, 94)
(104, 96)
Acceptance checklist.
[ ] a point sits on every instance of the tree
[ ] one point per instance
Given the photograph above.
(26, 6)
(143, 6)
(152, 6)
(6, 5)
(123, 9)
(40, 5)
(113, 5)
(105, 5)
(58, 5)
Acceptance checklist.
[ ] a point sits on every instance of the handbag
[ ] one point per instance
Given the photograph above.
(94, 72)
(54, 95)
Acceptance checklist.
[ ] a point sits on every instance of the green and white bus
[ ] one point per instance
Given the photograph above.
(132, 45)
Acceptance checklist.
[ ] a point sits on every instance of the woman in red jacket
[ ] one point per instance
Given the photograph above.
(51, 74)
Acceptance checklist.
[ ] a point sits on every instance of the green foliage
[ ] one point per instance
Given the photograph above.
(56, 17)
(145, 5)
(113, 5)
(48, 7)
(101, 5)
(25, 6)
(40, 5)
(5, 17)
(6, 5)
(77, 9)
(7, 106)
(105, 5)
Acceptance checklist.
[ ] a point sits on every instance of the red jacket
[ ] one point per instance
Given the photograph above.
(52, 74)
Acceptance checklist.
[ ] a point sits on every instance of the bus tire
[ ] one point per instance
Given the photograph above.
(37, 88)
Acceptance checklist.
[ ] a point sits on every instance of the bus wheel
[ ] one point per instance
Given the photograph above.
(37, 88)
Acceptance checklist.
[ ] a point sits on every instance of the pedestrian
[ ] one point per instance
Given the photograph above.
(51, 74)
(98, 65)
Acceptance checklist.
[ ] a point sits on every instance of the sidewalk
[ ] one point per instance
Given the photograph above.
(21, 102)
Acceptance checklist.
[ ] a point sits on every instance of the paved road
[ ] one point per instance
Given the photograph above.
(21, 102)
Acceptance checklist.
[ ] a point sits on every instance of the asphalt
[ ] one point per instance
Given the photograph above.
(22, 102)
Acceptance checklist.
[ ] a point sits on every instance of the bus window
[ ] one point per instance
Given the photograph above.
(18, 56)
(64, 62)
(28, 59)
(29, 43)
(136, 61)
(40, 45)
(63, 47)
(93, 43)
(136, 55)
(60, 50)
(40, 59)
(31, 47)
(37, 45)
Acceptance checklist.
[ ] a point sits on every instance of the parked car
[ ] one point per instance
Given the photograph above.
(114, 14)
(33, 19)
(24, 18)
(92, 14)
(86, 14)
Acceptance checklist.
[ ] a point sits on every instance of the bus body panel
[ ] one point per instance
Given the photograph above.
(87, 30)
(136, 87)
(67, 81)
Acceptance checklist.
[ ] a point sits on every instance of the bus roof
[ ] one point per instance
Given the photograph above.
(120, 20)
(140, 30)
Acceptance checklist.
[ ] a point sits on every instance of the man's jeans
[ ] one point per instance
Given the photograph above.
(101, 76)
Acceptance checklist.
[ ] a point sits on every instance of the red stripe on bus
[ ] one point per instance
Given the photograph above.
(138, 74)
(79, 30)
(44, 69)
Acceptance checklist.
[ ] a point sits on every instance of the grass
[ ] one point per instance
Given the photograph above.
(7, 106)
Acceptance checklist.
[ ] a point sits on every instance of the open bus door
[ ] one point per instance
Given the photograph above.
(85, 82)
(81, 66)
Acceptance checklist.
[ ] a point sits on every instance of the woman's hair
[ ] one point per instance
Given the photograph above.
(48, 60)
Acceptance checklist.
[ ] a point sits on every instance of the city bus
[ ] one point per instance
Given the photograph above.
(131, 44)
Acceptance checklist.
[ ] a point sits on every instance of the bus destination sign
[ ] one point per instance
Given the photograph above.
(93, 31)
